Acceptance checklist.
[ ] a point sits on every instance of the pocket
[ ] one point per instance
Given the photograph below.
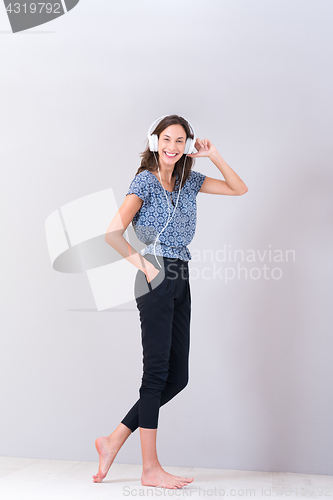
(157, 276)
(157, 281)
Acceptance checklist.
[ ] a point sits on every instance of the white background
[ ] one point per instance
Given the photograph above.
(77, 98)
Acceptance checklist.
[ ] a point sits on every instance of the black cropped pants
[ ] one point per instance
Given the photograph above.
(164, 305)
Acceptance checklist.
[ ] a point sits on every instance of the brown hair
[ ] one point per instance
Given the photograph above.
(148, 159)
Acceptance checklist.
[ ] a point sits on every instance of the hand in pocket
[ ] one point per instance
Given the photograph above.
(151, 273)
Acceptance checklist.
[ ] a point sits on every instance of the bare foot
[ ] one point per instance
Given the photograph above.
(107, 450)
(159, 477)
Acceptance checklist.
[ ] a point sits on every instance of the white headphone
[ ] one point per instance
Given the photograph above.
(153, 139)
(153, 146)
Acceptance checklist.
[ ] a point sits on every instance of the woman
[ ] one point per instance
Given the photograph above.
(161, 200)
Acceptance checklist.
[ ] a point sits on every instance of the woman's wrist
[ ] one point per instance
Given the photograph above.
(214, 155)
(146, 266)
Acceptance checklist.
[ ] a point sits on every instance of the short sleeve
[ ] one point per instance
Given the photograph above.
(197, 179)
(139, 187)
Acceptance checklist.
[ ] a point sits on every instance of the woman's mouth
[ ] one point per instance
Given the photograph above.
(169, 155)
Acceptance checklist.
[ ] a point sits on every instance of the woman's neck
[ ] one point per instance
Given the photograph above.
(165, 175)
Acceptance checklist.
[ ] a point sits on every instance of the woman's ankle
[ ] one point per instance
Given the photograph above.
(148, 468)
(119, 435)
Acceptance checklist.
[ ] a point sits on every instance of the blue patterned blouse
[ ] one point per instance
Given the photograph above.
(154, 213)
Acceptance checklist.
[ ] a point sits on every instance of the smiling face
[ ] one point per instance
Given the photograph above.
(171, 144)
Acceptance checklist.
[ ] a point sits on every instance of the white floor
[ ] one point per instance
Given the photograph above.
(36, 479)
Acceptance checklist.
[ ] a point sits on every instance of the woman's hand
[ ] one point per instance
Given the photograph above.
(204, 147)
(151, 272)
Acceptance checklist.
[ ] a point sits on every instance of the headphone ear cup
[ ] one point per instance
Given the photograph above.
(187, 146)
(153, 142)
